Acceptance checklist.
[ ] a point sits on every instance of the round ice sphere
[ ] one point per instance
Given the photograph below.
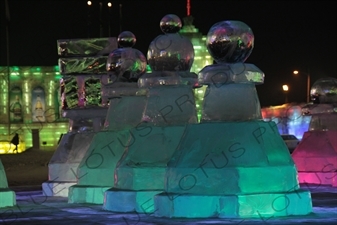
(170, 24)
(126, 64)
(324, 90)
(126, 39)
(230, 41)
(170, 52)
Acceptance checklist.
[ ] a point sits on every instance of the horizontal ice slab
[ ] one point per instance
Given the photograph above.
(86, 47)
(261, 206)
(118, 200)
(83, 65)
(231, 73)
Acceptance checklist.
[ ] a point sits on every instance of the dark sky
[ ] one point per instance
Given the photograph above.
(289, 35)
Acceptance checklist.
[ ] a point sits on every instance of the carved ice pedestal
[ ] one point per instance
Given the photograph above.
(120, 157)
(7, 196)
(62, 167)
(316, 154)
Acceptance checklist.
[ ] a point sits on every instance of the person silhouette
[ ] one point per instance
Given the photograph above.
(15, 141)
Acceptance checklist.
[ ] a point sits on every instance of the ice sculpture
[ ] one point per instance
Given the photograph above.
(82, 64)
(124, 66)
(169, 107)
(232, 164)
(324, 90)
(7, 196)
(316, 155)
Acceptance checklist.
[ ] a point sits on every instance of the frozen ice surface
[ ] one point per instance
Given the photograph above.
(231, 102)
(231, 158)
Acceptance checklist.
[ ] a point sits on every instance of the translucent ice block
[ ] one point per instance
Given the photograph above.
(231, 158)
(231, 102)
(143, 165)
(86, 46)
(83, 65)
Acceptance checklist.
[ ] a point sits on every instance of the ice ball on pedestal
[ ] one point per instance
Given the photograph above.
(126, 64)
(170, 24)
(126, 39)
(171, 51)
(324, 90)
(230, 41)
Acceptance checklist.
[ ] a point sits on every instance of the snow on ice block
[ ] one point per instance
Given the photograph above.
(263, 205)
(231, 158)
(117, 200)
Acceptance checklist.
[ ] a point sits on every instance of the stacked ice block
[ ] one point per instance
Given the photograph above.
(82, 65)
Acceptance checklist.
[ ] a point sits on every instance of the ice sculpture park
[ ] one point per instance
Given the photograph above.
(152, 154)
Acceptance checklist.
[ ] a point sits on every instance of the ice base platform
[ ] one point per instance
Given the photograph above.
(116, 200)
(86, 194)
(262, 205)
(8, 197)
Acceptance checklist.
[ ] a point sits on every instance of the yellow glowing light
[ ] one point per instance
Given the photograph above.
(109, 4)
(285, 87)
(89, 2)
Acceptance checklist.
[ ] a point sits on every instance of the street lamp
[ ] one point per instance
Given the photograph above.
(285, 89)
(308, 82)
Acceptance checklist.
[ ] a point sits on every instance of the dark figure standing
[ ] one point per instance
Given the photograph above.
(15, 141)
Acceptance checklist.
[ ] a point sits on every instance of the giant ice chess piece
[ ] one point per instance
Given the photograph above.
(316, 154)
(169, 107)
(232, 164)
(124, 66)
(82, 65)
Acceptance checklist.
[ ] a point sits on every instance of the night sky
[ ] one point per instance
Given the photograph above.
(289, 35)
